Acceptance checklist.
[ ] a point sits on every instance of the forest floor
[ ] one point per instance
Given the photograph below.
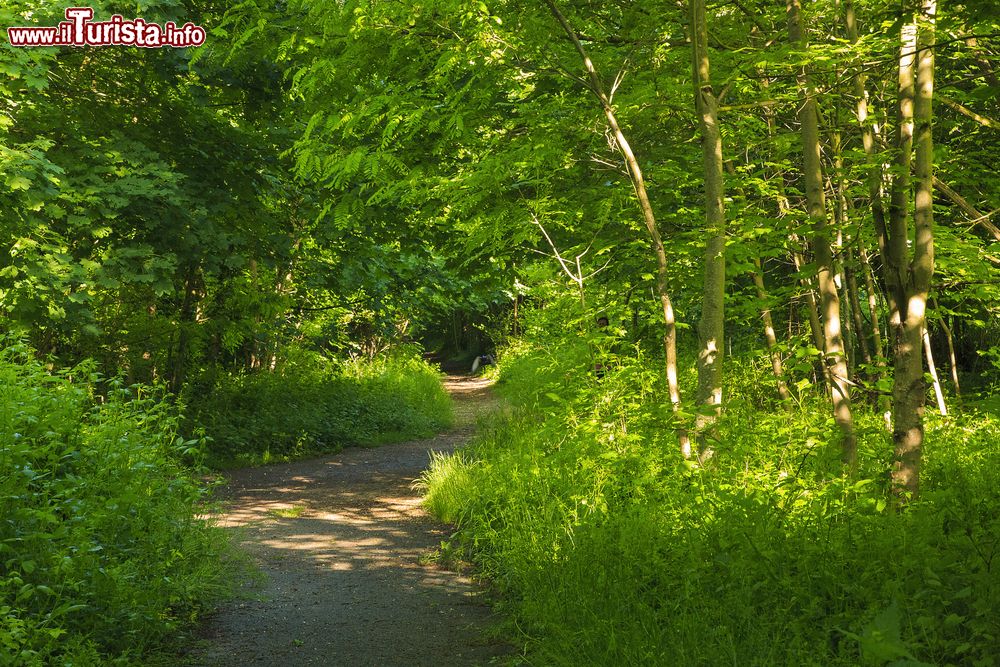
(348, 558)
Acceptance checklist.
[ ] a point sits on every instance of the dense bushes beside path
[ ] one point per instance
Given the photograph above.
(312, 405)
(102, 557)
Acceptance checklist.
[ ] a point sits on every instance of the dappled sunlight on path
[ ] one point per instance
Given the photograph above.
(344, 543)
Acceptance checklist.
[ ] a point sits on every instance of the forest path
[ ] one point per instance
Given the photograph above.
(344, 542)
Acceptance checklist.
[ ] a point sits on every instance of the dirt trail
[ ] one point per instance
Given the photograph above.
(342, 540)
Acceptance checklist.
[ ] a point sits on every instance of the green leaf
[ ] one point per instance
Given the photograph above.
(18, 183)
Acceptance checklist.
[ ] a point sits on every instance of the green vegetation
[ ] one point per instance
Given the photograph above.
(610, 548)
(102, 557)
(738, 262)
(313, 405)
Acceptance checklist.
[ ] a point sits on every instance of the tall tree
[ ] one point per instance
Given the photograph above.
(711, 329)
(909, 273)
(816, 204)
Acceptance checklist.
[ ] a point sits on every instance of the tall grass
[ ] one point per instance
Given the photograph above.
(612, 550)
(312, 405)
(101, 555)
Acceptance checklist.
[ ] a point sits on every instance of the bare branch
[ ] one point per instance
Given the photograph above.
(575, 277)
(618, 80)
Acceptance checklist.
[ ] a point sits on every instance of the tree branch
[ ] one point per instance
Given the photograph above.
(982, 120)
(983, 220)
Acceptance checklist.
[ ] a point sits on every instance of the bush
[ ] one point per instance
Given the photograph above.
(101, 553)
(315, 405)
(611, 549)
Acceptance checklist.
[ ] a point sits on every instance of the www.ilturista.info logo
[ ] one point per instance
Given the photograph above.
(79, 30)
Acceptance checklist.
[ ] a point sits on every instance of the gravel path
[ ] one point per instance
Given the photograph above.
(344, 542)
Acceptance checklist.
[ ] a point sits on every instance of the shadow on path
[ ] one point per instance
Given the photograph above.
(343, 542)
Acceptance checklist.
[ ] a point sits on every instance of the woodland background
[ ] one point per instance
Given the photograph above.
(782, 448)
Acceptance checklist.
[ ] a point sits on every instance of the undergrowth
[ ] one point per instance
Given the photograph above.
(312, 405)
(102, 557)
(611, 549)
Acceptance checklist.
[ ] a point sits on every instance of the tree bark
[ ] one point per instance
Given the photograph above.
(895, 252)
(812, 312)
(711, 327)
(874, 183)
(815, 200)
(859, 324)
(884, 403)
(794, 250)
(981, 219)
(909, 392)
(852, 329)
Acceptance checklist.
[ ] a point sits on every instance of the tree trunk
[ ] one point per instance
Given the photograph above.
(635, 173)
(952, 360)
(711, 327)
(870, 287)
(874, 194)
(859, 324)
(895, 252)
(909, 393)
(769, 337)
(932, 371)
(980, 219)
(812, 311)
(884, 401)
(815, 201)
(855, 332)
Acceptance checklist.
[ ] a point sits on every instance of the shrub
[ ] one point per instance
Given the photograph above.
(315, 405)
(101, 553)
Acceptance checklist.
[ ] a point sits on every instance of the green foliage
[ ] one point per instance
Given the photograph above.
(310, 405)
(611, 549)
(102, 556)
(347, 175)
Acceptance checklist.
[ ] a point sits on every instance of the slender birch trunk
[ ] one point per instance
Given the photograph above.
(812, 312)
(874, 192)
(895, 252)
(635, 173)
(884, 401)
(850, 283)
(841, 218)
(859, 323)
(932, 371)
(815, 328)
(952, 359)
(873, 309)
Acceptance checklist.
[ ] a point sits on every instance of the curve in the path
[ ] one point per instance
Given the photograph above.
(343, 542)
